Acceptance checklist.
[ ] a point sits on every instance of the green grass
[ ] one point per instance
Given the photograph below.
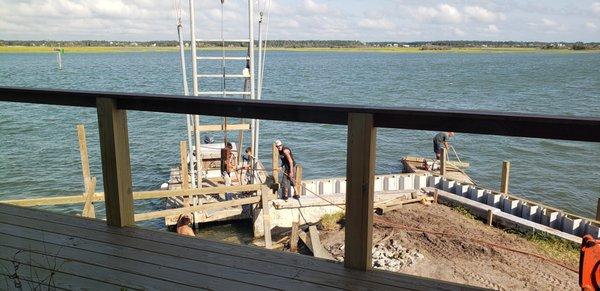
(465, 212)
(552, 246)
(332, 221)
(92, 49)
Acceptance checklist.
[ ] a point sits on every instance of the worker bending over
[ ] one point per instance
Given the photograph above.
(441, 140)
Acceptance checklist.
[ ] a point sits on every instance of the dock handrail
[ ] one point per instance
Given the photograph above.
(361, 120)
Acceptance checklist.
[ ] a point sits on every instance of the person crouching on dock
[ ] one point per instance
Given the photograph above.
(183, 225)
(441, 140)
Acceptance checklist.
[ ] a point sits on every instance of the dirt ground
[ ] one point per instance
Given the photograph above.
(457, 259)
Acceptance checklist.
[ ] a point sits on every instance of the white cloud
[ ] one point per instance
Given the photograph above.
(549, 23)
(376, 23)
(312, 7)
(483, 15)
(492, 28)
(443, 13)
(596, 8)
(591, 25)
(458, 32)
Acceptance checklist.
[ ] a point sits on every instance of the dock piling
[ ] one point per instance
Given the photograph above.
(598, 210)
(505, 177)
(443, 160)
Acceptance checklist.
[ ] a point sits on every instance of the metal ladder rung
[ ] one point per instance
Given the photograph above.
(225, 58)
(226, 93)
(221, 76)
(221, 40)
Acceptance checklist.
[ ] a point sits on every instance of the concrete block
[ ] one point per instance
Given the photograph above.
(309, 188)
(420, 181)
(390, 183)
(592, 230)
(378, 184)
(461, 189)
(530, 212)
(493, 199)
(550, 218)
(434, 181)
(448, 185)
(510, 205)
(476, 194)
(326, 187)
(572, 225)
(406, 182)
(342, 186)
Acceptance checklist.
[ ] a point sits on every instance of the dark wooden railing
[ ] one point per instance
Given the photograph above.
(362, 122)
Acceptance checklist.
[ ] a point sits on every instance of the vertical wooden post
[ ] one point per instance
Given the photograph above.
(294, 236)
(490, 217)
(265, 198)
(83, 152)
(435, 195)
(198, 152)
(505, 177)
(298, 187)
(116, 163)
(443, 159)
(185, 180)
(598, 210)
(88, 207)
(275, 164)
(360, 171)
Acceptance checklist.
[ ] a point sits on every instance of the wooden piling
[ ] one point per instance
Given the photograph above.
(265, 199)
(435, 196)
(116, 162)
(443, 159)
(598, 210)
(185, 183)
(298, 182)
(294, 236)
(490, 217)
(360, 171)
(505, 177)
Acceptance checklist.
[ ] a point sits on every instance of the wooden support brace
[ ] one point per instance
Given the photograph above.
(505, 177)
(265, 199)
(83, 152)
(116, 163)
(294, 236)
(185, 180)
(275, 162)
(360, 171)
(443, 160)
(88, 206)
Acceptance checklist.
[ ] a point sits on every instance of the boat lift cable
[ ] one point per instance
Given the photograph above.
(263, 45)
(224, 86)
(390, 224)
(186, 92)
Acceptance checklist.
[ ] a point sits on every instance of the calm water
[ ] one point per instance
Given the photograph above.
(38, 144)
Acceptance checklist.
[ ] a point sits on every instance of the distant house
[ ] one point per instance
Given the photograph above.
(395, 45)
(406, 45)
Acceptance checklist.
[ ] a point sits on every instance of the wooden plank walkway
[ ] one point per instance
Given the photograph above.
(44, 250)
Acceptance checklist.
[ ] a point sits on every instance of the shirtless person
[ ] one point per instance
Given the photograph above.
(183, 225)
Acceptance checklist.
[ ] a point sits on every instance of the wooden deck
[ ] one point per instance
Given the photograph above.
(49, 250)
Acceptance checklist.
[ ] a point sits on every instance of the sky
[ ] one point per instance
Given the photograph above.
(376, 20)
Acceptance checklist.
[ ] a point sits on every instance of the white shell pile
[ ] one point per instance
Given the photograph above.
(390, 256)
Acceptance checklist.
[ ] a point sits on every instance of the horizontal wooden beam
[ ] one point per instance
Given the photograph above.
(466, 121)
(99, 196)
(203, 207)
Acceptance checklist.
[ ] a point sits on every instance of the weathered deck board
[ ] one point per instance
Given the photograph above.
(120, 255)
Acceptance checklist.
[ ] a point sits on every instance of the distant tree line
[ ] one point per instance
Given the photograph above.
(440, 44)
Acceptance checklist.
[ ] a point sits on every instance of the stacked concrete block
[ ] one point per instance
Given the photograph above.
(461, 189)
(530, 212)
(550, 218)
(378, 184)
(493, 199)
(434, 181)
(326, 187)
(510, 205)
(342, 186)
(476, 194)
(309, 188)
(420, 181)
(390, 183)
(572, 225)
(448, 185)
(406, 182)
(593, 230)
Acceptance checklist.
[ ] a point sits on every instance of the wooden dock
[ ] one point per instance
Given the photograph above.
(50, 250)
(454, 170)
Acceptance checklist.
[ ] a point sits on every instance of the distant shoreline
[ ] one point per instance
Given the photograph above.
(138, 49)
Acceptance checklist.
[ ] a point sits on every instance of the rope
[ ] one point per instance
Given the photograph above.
(389, 224)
